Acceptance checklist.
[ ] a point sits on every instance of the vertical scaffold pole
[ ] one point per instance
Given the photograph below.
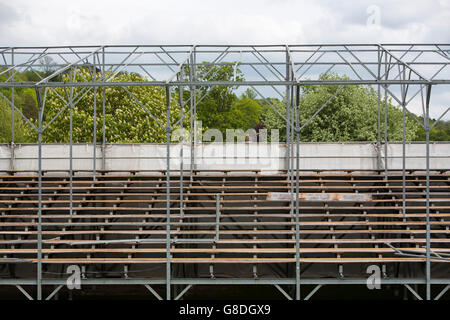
(180, 89)
(288, 134)
(427, 133)
(71, 147)
(94, 164)
(193, 128)
(287, 118)
(403, 145)
(12, 115)
(103, 111)
(379, 112)
(297, 198)
(39, 227)
(385, 121)
(168, 258)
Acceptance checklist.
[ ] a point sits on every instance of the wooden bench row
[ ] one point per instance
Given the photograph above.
(277, 250)
(230, 241)
(80, 261)
(228, 224)
(250, 232)
(226, 171)
(203, 201)
(230, 208)
(187, 216)
(220, 181)
(175, 189)
(225, 202)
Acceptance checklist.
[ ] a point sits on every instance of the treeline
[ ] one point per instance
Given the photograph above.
(350, 116)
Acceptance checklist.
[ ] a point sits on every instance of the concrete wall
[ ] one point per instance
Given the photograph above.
(269, 157)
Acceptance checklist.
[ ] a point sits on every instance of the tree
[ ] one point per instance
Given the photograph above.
(24, 98)
(48, 65)
(249, 93)
(126, 121)
(440, 131)
(271, 119)
(218, 106)
(21, 129)
(222, 96)
(350, 116)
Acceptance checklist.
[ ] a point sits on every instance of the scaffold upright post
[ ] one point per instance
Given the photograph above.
(94, 142)
(297, 197)
(39, 226)
(428, 231)
(168, 239)
(13, 111)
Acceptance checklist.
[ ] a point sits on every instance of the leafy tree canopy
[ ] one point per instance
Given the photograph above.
(218, 106)
(440, 132)
(126, 120)
(350, 116)
(21, 128)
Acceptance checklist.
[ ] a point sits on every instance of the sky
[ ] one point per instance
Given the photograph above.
(59, 22)
(81, 22)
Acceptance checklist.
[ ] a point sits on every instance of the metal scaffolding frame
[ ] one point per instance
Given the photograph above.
(403, 72)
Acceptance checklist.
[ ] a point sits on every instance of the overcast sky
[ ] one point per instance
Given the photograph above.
(58, 22)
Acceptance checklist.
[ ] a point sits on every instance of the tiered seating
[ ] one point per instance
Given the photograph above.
(119, 218)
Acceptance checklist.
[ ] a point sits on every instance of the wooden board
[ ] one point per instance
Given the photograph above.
(320, 197)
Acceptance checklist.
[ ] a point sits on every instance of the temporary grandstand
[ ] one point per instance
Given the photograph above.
(170, 217)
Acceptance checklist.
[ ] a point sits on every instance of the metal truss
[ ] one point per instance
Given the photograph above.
(261, 65)
(403, 72)
(188, 283)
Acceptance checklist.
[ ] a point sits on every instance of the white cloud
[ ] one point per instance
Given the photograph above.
(195, 21)
(56, 22)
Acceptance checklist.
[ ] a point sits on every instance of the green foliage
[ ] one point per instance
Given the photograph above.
(218, 106)
(244, 114)
(350, 116)
(249, 93)
(272, 119)
(24, 98)
(440, 132)
(27, 102)
(222, 96)
(21, 128)
(126, 121)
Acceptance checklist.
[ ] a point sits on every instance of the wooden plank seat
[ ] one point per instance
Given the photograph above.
(215, 178)
(228, 208)
(276, 250)
(218, 189)
(230, 260)
(223, 180)
(228, 171)
(251, 241)
(238, 243)
(228, 224)
(225, 194)
(82, 216)
(256, 202)
(238, 254)
(250, 232)
(393, 195)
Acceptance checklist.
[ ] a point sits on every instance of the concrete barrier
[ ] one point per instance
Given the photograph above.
(264, 156)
